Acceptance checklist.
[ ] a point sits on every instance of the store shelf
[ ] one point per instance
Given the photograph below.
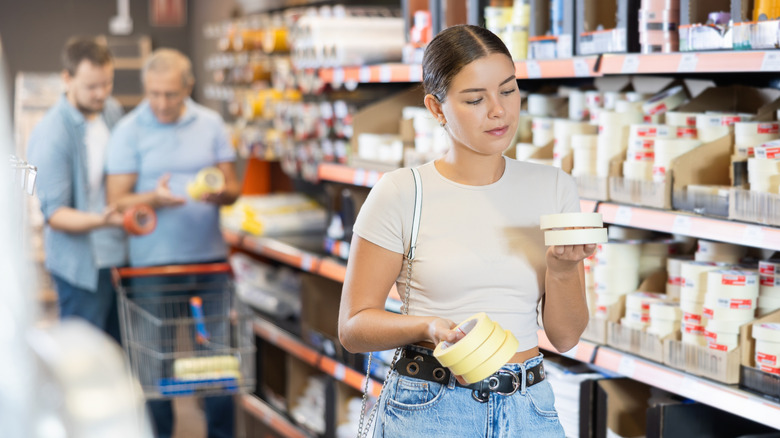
(584, 351)
(577, 67)
(265, 413)
(689, 224)
(290, 344)
(727, 398)
(731, 61)
(348, 175)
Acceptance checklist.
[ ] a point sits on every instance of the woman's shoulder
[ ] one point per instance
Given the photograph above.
(528, 170)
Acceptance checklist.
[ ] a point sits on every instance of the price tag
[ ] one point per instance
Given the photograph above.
(534, 70)
(630, 64)
(681, 225)
(688, 62)
(338, 76)
(371, 178)
(771, 61)
(307, 262)
(365, 74)
(627, 366)
(340, 372)
(689, 387)
(623, 215)
(753, 233)
(385, 74)
(360, 177)
(581, 68)
(415, 73)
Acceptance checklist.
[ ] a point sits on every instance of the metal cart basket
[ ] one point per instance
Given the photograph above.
(185, 330)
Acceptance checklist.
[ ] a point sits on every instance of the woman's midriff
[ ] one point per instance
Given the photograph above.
(519, 357)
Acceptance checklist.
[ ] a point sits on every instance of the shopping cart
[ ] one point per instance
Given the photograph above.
(185, 331)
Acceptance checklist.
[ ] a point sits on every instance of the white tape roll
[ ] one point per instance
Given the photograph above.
(665, 101)
(665, 311)
(728, 310)
(721, 341)
(769, 268)
(769, 303)
(767, 331)
(641, 301)
(570, 220)
(637, 144)
(692, 329)
(748, 135)
(694, 339)
(733, 285)
(675, 118)
(694, 276)
(563, 130)
(542, 131)
(769, 287)
(723, 326)
(632, 324)
(594, 99)
(652, 131)
(674, 275)
(619, 254)
(575, 237)
(626, 106)
(485, 350)
(585, 154)
(494, 362)
(662, 328)
(762, 167)
(767, 353)
(709, 251)
(611, 98)
(638, 170)
(692, 312)
(636, 317)
(544, 105)
(477, 328)
(647, 156)
(578, 109)
(714, 126)
(768, 151)
(667, 150)
(607, 299)
(616, 281)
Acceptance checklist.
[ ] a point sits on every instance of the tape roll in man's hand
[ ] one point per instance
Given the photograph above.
(140, 220)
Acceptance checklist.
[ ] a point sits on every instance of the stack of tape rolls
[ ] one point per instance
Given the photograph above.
(658, 23)
(594, 101)
(665, 101)
(572, 228)
(524, 151)
(632, 111)
(767, 336)
(208, 180)
(585, 148)
(681, 119)
(139, 220)
(543, 105)
(616, 272)
(653, 256)
(612, 98)
(748, 135)
(613, 137)
(721, 252)
(692, 293)
(590, 282)
(732, 297)
(638, 309)
(769, 288)
(764, 172)
(712, 126)
(666, 150)
(616, 232)
(665, 318)
(484, 349)
(578, 108)
(563, 130)
(674, 275)
(640, 152)
(542, 131)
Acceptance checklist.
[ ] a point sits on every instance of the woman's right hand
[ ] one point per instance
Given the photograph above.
(442, 329)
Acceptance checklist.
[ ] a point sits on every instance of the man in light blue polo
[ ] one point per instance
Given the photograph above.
(154, 152)
(82, 235)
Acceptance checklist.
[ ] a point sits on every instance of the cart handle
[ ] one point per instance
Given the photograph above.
(171, 270)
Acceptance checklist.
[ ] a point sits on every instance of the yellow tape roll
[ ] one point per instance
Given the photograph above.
(496, 361)
(487, 349)
(208, 180)
(477, 329)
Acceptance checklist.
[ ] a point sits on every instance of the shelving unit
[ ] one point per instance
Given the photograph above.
(262, 411)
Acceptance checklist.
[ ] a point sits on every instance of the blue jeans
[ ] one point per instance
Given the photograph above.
(98, 308)
(219, 410)
(411, 407)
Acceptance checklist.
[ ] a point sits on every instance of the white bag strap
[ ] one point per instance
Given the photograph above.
(417, 212)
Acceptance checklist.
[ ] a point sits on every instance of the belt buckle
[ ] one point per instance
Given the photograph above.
(515, 382)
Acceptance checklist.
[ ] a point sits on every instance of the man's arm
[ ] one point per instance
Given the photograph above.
(75, 221)
(120, 191)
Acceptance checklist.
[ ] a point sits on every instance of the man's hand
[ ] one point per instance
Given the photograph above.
(163, 197)
(112, 217)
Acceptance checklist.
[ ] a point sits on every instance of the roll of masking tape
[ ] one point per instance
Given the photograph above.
(723, 326)
(570, 220)
(494, 362)
(641, 301)
(476, 328)
(692, 329)
(487, 349)
(638, 170)
(139, 220)
(694, 276)
(575, 237)
(769, 268)
(768, 303)
(676, 118)
(767, 331)
(619, 254)
(721, 341)
(578, 109)
(652, 131)
(768, 150)
(663, 328)
(665, 101)
(665, 311)
(769, 288)
(694, 339)
(692, 312)
(721, 308)
(767, 353)
(542, 105)
(208, 180)
(732, 284)
(542, 131)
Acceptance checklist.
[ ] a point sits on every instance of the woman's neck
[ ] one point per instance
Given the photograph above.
(471, 169)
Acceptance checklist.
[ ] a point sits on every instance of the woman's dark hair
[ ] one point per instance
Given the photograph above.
(451, 50)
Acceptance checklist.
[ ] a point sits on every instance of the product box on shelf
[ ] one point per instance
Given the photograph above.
(272, 376)
(305, 390)
(598, 324)
(620, 20)
(385, 117)
(620, 407)
(552, 29)
(751, 378)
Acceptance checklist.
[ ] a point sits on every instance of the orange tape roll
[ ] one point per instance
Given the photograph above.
(140, 220)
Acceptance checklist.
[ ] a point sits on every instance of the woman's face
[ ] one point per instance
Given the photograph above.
(483, 104)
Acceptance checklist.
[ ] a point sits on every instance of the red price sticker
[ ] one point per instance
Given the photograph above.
(733, 280)
(740, 304)
(691, 318)
(766, 359)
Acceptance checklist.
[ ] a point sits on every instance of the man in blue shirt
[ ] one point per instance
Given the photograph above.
(154, 152)
(82, 235)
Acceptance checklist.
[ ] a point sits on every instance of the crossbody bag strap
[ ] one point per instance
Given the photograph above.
(417, 212)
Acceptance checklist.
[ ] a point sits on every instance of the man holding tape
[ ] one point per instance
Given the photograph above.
(156, 151)
(82, 238)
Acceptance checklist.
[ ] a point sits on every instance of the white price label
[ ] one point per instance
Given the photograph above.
(534, 70)
(771, 61)
(338, 76)
(371, 178)
(688, 62)
(627, 366)
(360, 177)
(630, 64)
(365, 74)
(307, 262)
(681, 225)
(689, 387)
(385, 74)
(581, 68)
(415, 73)
(340, 372)
(623, 215)
(754, 234)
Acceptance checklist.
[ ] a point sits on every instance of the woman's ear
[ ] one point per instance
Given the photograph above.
(434, 106)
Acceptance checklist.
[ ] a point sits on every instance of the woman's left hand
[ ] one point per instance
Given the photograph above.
(565, 258)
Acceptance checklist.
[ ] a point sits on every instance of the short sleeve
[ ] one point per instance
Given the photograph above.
(380, 219)
(122, 150)
(54, 185)
(224, 151)
(568, 199)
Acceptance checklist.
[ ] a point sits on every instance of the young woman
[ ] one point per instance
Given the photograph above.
(479, 249)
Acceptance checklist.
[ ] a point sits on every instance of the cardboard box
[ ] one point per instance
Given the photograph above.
(619, 18)
(621, 407)
(696, 11)
(754, 379)
(757, 207)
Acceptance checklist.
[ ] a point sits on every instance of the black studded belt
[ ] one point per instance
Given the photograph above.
(415, 362)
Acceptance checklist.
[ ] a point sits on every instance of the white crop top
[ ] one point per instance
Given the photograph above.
(479, 248)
